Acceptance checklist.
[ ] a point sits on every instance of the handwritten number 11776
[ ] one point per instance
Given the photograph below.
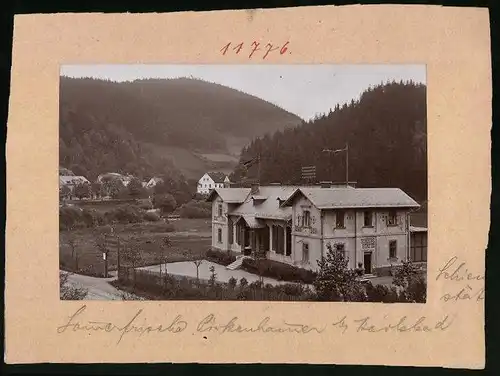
(254, 48)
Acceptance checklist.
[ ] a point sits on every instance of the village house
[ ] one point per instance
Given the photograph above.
(295, 224)
(153, 182)
(69, 183)
(212, 180)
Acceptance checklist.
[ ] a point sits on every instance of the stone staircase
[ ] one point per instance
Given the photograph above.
(237, 264)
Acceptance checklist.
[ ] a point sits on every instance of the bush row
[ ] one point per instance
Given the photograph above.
(220, 257)
(71, 217)
(182, 288)
(279, 271)
(196, 209)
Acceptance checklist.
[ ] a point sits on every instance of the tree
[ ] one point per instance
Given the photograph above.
(74, 252)
(166, 203)
(64, 192)
(132, 255)
(112, 187)
(213, 276)
(67, 291)
(335, 281)
(165, 243)
(410, 279)
(96, 189)
(82, 191)
(135, 188)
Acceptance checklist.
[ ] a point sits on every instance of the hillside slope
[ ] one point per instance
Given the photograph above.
(197, 125)
(387, 134)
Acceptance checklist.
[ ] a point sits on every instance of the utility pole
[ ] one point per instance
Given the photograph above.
(258, 171)
(346, 164)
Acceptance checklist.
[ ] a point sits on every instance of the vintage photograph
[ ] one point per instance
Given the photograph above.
(243, 182)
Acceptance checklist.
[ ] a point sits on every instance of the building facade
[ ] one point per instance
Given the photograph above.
(296, 225)
(212, 180)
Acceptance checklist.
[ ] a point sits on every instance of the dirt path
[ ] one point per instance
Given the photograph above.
(98, 288)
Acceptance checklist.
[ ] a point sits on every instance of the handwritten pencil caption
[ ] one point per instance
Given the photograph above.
(466, 285)
(211, 324)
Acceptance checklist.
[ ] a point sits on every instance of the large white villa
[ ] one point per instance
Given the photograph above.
(294, 224)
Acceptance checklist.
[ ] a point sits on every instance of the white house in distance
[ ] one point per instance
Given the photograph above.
(294, 224)
(125, 179)
(71, 181)
(153, 182)
(210, 181)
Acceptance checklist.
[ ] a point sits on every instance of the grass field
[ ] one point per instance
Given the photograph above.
(190, 239)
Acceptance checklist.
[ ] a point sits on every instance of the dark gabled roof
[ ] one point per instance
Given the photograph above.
(217, 177)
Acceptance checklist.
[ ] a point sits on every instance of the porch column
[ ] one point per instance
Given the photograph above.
(284, 240)
(270, 238)
(252, 240)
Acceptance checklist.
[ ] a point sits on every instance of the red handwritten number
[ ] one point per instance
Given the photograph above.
(256, 48)
(238, 47)
(270, 48)
(225, 48)
(284, 48)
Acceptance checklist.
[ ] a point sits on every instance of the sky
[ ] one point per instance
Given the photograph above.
(305, 90)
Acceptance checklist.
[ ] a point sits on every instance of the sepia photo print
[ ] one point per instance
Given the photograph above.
(243, 182)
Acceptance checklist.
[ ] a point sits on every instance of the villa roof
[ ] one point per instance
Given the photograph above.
(217, 177)
(251, 221)
(344, 198)
(230, 195)
(267, 203)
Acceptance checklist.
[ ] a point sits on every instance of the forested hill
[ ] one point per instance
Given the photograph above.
(136, 126)
(386, 130)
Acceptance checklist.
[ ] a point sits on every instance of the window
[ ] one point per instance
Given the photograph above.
(339, 219)
(392, 218)
(305, 252)
(219, 235)
(306, 219)
(368, 219)
(340, 247)
(210, 186)
(418, 248)
(393, 245)
(220, 210)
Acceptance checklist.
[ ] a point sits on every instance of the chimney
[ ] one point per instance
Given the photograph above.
(326, 184)
(254, 189)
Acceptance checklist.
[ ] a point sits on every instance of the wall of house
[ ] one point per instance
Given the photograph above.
(359, 238)
(306, 234)
(219, 222)
(205, 184)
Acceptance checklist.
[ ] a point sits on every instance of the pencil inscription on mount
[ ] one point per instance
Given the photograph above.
(256, 182)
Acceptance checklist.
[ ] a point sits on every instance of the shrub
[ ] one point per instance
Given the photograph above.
(68, 217)
(232, 282)
(220, 257)
(279, 271)
(151, 217)
(243, 282)
(196, 209)
(335, 281)
(126, 214)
